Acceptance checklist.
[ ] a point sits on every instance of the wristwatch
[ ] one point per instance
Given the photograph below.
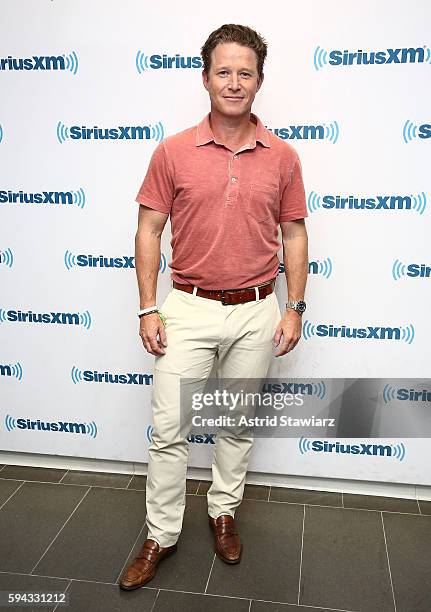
(299, 306)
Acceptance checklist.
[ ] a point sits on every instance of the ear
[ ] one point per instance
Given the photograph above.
(205, 79)
(260, 81)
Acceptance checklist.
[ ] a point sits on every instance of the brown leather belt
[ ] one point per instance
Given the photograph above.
(229, 297)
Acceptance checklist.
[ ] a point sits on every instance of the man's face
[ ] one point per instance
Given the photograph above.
(232, 81)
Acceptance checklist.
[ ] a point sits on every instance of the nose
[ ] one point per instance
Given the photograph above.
(234, 81)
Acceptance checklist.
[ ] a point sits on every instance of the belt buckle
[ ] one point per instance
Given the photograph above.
(223, 297)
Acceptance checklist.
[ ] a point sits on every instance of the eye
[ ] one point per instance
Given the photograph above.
(245, 74)
(222, 72)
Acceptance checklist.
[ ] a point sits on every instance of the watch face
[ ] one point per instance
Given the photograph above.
(301, 306)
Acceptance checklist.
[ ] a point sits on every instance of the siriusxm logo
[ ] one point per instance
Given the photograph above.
(6, 258)
(379, 202)
(391, 394)
(76, 198)
(405, 334)
(413, 131)
(206, 438)
(13, 370)
(86, 429)
(100, 261)
(321, 267)
(165, 62)
(317, 389)
(41, 62)
(121, 132)
(322, 131)
(404, 55)
(60, 318)
(94, 376)
(394, 451)
(413, 270)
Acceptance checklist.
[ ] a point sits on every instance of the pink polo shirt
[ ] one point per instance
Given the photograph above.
(225, 208)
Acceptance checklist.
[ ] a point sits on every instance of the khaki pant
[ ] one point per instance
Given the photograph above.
(201, 332)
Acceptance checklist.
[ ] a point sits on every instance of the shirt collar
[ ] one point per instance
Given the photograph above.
(204, 133)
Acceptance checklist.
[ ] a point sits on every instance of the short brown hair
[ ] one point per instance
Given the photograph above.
(233, 33)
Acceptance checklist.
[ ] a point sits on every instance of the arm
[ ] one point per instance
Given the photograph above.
(147, 260)
(295, 247)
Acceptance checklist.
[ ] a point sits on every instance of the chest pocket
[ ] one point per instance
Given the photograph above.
(263, 202)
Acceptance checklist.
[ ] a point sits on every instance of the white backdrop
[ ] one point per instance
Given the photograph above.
(361, 129)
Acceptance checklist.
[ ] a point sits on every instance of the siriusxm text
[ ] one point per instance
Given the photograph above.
(376, 450)
(388, 56)
(376, 333)
(41, 197)
(36, 62)
(379, 202)
(61, 318)
(128, 378)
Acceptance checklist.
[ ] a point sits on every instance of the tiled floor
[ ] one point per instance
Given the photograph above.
(307, 551)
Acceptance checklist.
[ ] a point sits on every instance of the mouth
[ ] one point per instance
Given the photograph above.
(236, 98)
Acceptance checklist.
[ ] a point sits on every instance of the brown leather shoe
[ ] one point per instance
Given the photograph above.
(228, 545)
(143, 568)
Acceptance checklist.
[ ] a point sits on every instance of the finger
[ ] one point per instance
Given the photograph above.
(162, 335)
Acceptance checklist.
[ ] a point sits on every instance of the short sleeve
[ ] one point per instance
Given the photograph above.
(293, 203)
(157, 189)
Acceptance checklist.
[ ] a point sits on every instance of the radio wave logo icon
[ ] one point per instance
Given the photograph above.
(324, 267)
(410, 131)
(12, 369)
(150, 430)
(71, 62)
(62, 132)
(10, 422)
(91, 429)
(332, 132)
(85, 319)
(6, 258)
(1, 133)
(158, 132)
(308, 329)
(320, 58)
(398, 269)
(142, 62)
(313, 201)
(419, 202)
(76, 375)
(69, 260)
(389, 394)
(3, 317)
(399, 451)
(162, 265)
(408, 333)
(79, 198)
(304, 445)
(319, 389)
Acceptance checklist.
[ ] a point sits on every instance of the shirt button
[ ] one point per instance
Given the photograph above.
(234, 179)
(235, 156)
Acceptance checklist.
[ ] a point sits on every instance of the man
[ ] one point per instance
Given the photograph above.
(228, 184)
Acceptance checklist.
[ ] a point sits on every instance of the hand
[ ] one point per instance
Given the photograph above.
(290, 328)
(150, 327)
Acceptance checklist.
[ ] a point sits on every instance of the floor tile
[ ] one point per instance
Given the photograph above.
(187, 569)
(138, 482)
(98, 537)
(344, 562)
(375, 502)
(95, 597)
(7, 487)
(269, 568)
(30, 521)
(303, 496)
(425, 507)
(99, 479)
(266, 606)
(15, 582)
(250, 491)
(169, 601)
(409, 548)
(24, 472)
